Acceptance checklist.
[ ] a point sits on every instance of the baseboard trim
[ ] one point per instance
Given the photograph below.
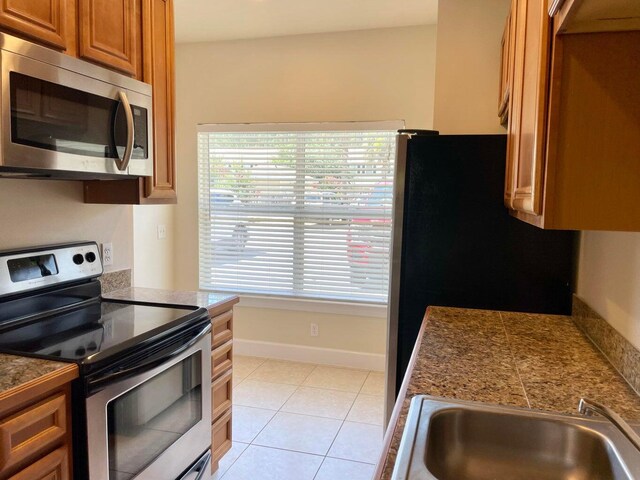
(303, 353)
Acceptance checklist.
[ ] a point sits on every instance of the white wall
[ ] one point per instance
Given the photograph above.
(468, 65)
(384, 74)
(609, 279)
(40, 212)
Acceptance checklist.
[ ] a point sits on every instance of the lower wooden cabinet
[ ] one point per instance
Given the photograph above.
(221, 359)
(54, 466)
(221, 381)
(220, 439)
(35, 428)
(32, 430)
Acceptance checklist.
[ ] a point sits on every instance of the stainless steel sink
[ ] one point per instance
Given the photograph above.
(450, 440)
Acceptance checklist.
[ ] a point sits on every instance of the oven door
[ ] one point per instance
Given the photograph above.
(154, 425)
(66, 123)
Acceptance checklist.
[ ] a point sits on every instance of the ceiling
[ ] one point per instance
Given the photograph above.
(215, 20)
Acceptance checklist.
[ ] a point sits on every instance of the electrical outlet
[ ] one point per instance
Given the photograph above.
(107, 254)
(162, 232)
(314, 330)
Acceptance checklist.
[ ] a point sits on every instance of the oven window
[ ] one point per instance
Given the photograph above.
(145, 421)
(53, 117)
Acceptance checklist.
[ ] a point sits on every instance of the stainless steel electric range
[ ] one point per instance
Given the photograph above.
(142, 403)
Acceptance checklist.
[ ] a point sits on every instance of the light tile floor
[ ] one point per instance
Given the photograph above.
(299, 421)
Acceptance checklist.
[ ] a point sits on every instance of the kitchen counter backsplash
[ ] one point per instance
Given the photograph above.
(624, 357)
(117, 280)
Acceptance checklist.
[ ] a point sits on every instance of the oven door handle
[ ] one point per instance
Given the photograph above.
(98, 383)
(197, 471)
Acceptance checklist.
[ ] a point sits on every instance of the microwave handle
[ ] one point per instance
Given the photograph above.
(123, 163)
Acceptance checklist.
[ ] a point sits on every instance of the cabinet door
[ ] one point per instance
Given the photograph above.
(159, 71)
(44, 21)
(54, 466)
(110, 33)
(527, 122)
(505, 85)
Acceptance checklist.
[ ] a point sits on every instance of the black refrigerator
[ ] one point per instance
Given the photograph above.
(455, 244)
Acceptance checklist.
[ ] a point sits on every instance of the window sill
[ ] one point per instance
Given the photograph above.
(319, 306)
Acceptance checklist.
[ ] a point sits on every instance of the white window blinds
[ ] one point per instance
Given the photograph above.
(297, 210)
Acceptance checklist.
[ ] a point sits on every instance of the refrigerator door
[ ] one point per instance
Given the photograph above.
(455, 244)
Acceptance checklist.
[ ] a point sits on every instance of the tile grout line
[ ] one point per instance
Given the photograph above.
(256, 436)
(513, 358)
(236, 459)
(279, 410)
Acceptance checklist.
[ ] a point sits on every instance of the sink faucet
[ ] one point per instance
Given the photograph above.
(589, 407)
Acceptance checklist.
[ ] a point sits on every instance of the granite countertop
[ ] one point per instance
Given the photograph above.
(541, 362)
(17, 372)
(210, 301)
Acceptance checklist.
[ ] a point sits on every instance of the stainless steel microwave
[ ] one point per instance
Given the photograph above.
(62, 117)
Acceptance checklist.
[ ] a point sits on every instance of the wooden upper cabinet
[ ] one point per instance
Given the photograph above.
(109, 33)
(50, 22)
(573, 145)
(590, 16)
(527, 116)
(505, 74)
(159, 70)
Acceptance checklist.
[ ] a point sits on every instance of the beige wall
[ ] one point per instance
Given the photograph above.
(40, 212)
(342, 332)
(153, 265)
(609, 279)
(468, 65)
(385, 74)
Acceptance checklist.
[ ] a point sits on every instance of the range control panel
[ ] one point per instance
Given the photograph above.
(35, 268)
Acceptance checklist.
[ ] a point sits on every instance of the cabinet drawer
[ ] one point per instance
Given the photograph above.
(32, 430)
(222, 328)
(221, 359)
(220, 438)
(221, 395)
(54, 466)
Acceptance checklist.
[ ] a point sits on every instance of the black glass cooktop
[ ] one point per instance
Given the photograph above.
(96, 330)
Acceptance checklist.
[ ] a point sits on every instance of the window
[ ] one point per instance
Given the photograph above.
(297, 210)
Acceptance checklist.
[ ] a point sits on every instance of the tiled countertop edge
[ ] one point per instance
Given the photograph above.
(624, 357)
(396, 421)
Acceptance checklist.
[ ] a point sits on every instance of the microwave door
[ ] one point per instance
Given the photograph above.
(68, 125)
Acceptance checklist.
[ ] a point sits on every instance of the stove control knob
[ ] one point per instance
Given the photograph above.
(90, 257)
(80, 351)
(78, 259)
